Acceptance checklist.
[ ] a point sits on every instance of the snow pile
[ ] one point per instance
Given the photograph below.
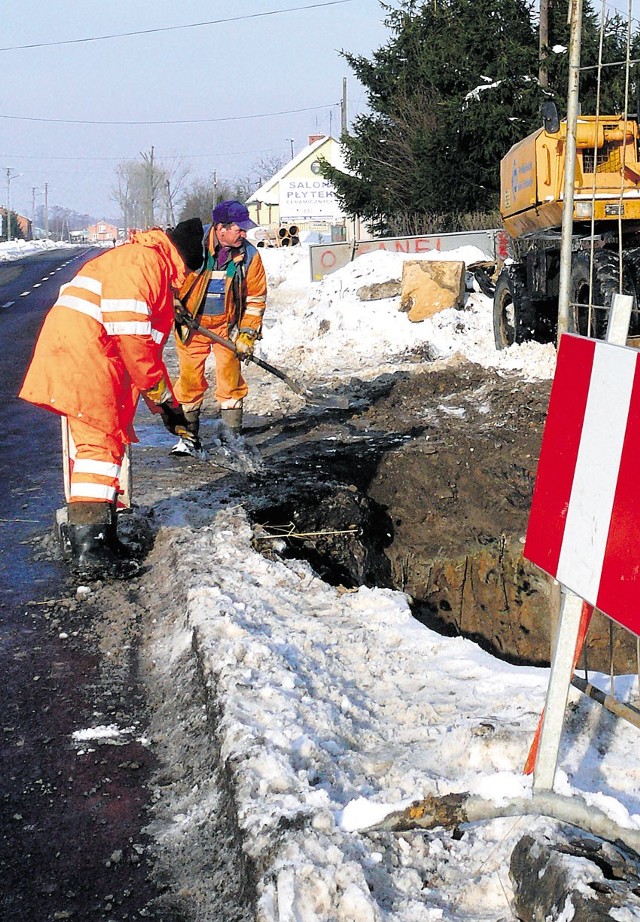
(337, 708)
(15, 249)
(325, 330)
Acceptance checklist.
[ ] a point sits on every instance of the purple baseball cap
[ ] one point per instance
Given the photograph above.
(233, 213)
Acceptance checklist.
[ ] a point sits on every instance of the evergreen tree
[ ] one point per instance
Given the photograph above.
(453, 89)
(614, 48)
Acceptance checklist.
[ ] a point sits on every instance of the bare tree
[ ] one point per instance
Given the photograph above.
(260, 172)
(174, 189)
(123, 193)
(148, 193)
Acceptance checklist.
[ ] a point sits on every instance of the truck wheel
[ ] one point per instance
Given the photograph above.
(513, 317)
(632, 263)
(606, 282)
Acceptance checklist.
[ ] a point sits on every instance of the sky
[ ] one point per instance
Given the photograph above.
(336, 708)
(54, 107)
(61, 94)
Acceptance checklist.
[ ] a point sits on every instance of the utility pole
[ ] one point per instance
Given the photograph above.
(343, 108)
(215, 188)
(46, 211)
(148, 159)
(170, 215)
(570, 165)
(543, 76)
(152, 218)
(11, 174)
(290, 140)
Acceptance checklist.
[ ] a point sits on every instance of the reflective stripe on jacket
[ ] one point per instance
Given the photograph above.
(101, 342)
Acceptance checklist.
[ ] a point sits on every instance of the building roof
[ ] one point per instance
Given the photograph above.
(268, 193)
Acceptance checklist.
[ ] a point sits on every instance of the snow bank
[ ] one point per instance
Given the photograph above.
(15, 249)
(324, 330)
(338, 707)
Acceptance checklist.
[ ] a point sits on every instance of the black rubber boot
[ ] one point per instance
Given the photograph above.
(192, 447)
(193, 422)
(113, 541)
(91, 554)
(232, 418)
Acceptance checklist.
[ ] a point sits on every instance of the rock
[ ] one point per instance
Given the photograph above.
(430, 286)
(379, 290)
(580, 879)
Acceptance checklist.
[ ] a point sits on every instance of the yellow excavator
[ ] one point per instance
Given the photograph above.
(606, 227)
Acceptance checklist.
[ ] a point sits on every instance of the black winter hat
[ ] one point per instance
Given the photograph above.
(187, 237)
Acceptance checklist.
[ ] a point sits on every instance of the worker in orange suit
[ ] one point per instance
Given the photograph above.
(99, 349)
(228, 297)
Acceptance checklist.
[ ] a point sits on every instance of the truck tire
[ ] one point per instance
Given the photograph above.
(631, 259)
(606, 283)
(513, 314)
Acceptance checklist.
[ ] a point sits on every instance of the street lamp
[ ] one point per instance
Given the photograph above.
(11, 174)
(290, 140)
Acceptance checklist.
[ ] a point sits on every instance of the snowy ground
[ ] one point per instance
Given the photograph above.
(14, 249)
(335, 707)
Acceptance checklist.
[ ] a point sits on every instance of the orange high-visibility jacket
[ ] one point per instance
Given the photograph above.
(101, 343)
(245, 294)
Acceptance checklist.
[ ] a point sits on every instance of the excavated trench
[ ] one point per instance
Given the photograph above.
(427, 491)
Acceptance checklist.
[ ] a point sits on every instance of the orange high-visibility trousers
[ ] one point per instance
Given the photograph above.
(192, 384)
(95, 477)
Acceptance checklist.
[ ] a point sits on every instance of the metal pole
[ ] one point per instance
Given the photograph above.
(46, 211)
(543, 76)
(343, 108)
(33, 211)
(569, 166)
(8, 204)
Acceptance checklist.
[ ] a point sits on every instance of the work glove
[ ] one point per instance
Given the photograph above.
(245, 343)
(160, 392)
(175, 421)
(179, 310)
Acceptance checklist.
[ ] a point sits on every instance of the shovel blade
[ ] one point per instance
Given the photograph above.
(327, 401)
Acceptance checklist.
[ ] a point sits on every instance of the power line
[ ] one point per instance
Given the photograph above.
(191, 25)
(182, 121)
(209, 154)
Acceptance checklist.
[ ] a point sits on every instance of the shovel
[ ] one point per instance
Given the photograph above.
(328, 401)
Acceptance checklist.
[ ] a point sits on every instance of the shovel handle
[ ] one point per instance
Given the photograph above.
(194, 325)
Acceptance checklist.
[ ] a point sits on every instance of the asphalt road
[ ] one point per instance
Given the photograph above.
(65, 822)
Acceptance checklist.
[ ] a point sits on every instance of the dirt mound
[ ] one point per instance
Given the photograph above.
(434, 473)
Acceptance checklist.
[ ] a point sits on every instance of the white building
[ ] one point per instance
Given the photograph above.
(298, 195)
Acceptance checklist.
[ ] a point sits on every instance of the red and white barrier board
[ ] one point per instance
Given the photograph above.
(584, 526)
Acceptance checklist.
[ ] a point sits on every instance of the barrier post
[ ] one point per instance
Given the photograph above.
(564, 655)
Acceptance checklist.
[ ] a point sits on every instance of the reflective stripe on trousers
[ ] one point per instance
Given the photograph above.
(96, 466)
